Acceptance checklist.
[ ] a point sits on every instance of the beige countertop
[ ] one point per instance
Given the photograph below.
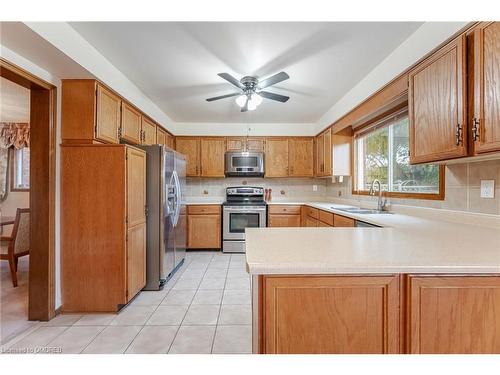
(434, 241)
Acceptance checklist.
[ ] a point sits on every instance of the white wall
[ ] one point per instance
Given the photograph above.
(34, 69)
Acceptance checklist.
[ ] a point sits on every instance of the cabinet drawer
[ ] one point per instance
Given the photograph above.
(284, 210)
(326, 217)
(203, 210)
(283, 220)
(312, 212)
(342, 221)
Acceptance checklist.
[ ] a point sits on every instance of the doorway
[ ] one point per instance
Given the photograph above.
(33, 168)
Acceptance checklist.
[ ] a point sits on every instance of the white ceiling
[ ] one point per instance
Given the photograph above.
(176, 63)
(14, 102)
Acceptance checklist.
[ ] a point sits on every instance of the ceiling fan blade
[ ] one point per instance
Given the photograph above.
(228, 77)
(272, 96)
(245, 107)
(223, 96)
(281, 76)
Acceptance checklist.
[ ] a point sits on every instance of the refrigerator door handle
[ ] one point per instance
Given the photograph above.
(177, 206)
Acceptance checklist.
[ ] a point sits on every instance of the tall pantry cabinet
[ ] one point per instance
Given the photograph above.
(103, 226)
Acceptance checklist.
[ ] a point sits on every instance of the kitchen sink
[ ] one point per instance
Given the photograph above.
(356, 210)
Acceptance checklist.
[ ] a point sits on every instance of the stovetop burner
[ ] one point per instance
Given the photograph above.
(244, 196)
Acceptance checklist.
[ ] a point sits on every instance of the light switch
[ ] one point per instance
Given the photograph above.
(315, 187)
(487, 188)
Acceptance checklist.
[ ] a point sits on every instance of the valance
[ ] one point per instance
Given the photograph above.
(14, 134)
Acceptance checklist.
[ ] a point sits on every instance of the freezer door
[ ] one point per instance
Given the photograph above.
(181, 219)
(168, 212)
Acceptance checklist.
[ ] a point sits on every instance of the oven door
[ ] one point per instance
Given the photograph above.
(237, 219)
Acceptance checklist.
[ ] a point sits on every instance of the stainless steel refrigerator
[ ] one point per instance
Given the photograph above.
(166, 219)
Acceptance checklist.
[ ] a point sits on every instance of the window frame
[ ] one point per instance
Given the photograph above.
(372, 126)
(13, 166)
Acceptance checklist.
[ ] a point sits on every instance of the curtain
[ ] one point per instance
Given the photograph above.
(14, 134)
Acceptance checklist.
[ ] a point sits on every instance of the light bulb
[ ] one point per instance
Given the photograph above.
(256, 99)
(251, 106)
(241, 100)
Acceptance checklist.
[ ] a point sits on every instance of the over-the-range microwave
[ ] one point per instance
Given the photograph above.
(244, 163)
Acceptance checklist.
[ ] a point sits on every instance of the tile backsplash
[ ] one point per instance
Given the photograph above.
(462, 188)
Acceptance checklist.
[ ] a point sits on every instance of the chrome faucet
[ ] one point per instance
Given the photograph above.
(381, 204)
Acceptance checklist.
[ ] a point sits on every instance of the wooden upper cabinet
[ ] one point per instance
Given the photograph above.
(107, 115)
(301, 157)
(235, 144)
(320, 155)
(485, 124)
(327, 150)
(169, 140)
(437, 105)
(130, 129)
(454, 314)
(255, 144)
(148, 132)
(190, 147)
(161, 136)
(276, 163)
(212, 157)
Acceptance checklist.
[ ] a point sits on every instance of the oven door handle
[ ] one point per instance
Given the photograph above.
(246, 210)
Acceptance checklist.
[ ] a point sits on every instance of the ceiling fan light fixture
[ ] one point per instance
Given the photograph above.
(256, 99)
(241, 100)
(251, 106)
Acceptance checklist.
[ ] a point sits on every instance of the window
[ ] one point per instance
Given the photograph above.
(382, 152)
(20, 169)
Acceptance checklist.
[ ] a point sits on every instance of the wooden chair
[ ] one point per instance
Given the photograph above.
(18, 243)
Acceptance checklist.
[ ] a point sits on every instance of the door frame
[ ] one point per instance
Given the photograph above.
(43, 115)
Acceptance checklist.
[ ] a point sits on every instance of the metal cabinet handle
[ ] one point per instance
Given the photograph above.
(458, 135)
(475, 129)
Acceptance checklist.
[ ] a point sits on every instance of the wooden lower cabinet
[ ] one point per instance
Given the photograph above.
(310, 222)
(330, 314)
(102, 235)
(342, 221)
(284, 216)
(204, 227)
(453, 314)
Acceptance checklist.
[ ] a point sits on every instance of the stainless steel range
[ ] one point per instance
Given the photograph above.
(244, 208)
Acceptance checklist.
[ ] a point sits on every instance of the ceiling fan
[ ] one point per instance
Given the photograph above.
(251, 93)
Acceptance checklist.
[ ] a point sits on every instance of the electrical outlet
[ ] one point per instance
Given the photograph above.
(205, 192)
(487, 188)
(315, 187)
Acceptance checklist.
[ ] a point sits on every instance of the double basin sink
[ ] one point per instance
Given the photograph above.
(357, 210)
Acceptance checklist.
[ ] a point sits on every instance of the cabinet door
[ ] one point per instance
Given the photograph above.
(212, 157)
(190, 147)
(284, 220)
(136, 186)
(204, 231)
(437, 105)
(330, 314)
(342, 221)
(107, 115)
(276, 162)
(327, 150)
(161, 136)
(320, 155)
(255, 144)
(486, 88)
(454, 314)
(131, 124)
(310, 222)
(148, 132)
(169, 140)
(235, 144)
(301, 157)
(136, 260)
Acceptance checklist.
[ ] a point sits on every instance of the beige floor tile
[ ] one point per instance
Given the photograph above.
(133, 316)
(215, 273)
(233, 340)
(236, 297)
(237, 272)
(202, 315)
(207, 284)
(179, 297)
(39, 338)
(75, 339)
(238, 283)
(208, 297)
(168, 315)
(149, 298)
(95, 320)
(186, 284)
(153, 340)
(63, 320)
(113, 340)
(235, 314)
(193, 340)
